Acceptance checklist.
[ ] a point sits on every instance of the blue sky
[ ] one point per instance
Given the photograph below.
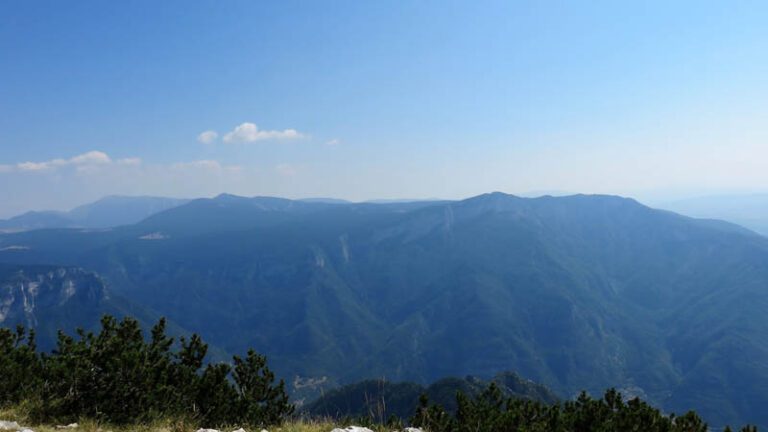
(360, 100)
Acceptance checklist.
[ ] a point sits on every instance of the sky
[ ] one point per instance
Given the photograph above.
(380, 100)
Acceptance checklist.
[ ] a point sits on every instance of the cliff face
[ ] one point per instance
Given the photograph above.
(30, 295)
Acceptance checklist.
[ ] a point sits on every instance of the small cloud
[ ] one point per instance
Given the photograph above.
(208, 136)
(89, 159)
(333, 142)
(33, 166)
(249, 132)
(92, 157)
(285, 169)
(129, 161)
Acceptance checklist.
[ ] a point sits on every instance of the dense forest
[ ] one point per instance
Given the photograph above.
(121, 376)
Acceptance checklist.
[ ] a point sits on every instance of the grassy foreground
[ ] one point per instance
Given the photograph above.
(173, 425)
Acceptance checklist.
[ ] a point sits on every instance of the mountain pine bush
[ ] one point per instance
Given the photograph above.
(119, 377)
(491, 412)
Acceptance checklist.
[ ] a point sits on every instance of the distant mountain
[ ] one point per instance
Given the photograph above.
(122, 210)
(36, 220)
(748, 210)
(577, 292)
(326, 200)
(381, 398)
(107, 212)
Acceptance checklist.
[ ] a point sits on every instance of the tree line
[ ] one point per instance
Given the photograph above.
(119, 376)
(491, 412)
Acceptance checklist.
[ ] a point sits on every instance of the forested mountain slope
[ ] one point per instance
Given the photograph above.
(578, 292)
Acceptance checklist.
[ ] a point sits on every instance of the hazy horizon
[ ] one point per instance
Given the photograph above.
(363, 101)
(652, 200)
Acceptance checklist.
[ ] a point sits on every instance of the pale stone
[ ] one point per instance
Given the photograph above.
(9, 426)
(352, 429)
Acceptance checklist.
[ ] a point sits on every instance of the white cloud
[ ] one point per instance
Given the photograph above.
(94, 161)
(56, 186)
(208, 136)
(333, 142)
(92, 157)
(249, 132)
(33, 166)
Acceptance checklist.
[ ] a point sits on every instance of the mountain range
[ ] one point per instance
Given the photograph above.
(575, 292)
(748, 210)
(107, 212)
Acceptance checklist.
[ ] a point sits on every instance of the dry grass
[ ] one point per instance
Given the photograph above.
(170, 425)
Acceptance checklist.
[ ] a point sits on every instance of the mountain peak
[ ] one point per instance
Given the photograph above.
(228, 197)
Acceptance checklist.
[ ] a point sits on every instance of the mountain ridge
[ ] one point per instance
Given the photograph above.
(107, 212)
(577, 292)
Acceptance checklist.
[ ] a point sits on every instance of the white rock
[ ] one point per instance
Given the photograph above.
(69, 426)
(26, 430)
(410, 429)
(352, 429)
(240, 430)
(9, 426)
(208, 430)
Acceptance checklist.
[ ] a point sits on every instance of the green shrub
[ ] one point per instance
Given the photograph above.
(491, 412)
(118, 377)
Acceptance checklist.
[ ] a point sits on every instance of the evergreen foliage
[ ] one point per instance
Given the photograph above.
(381, 399)
(491, 412)
(119, 377)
